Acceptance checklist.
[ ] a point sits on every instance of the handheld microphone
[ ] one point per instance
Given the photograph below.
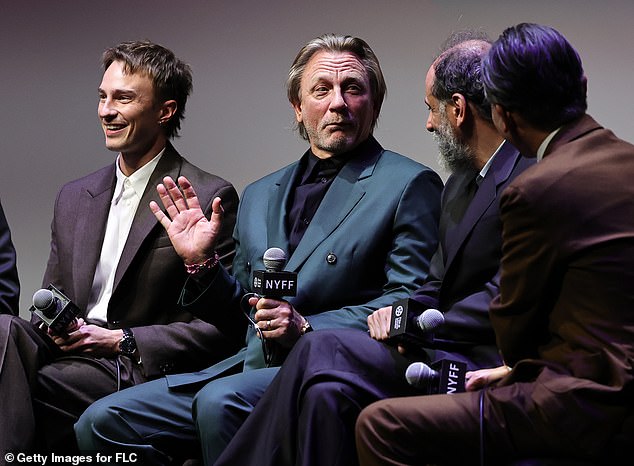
(409, 325)
(274, 282)
(54, 308)
(444, 376)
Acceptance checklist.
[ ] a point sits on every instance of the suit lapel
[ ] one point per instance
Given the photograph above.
(144, 220)
(277, 209)
(343, 195)
(501, 168)
(92, 217)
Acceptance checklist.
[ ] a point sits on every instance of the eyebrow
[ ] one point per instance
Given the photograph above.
(118, 91)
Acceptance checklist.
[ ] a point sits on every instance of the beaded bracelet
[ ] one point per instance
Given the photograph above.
(207, 264)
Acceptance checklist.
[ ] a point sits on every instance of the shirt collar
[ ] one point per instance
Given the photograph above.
(137, 181)
(542, 147)
(487, 165)
(336, 161)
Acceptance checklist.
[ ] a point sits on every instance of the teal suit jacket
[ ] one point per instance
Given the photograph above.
(369, 244)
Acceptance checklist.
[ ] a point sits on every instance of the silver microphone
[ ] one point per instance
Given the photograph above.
(274, 259)
(430, 320)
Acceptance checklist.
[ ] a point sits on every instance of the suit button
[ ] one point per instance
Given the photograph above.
(331, 258)
(166, 368)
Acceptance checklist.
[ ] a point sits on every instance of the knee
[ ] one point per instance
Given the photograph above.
(367, 427)
(10, 325)
(212, 403)
(97, 416)
(323, 395)
(205, 402)
(99, 420)
(326, 339)
(317, 350)
(19, 337)
(367, 440)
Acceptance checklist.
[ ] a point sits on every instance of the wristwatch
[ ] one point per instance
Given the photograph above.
(305, 327)
(127, 345)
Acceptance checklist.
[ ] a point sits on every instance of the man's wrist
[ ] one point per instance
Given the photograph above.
(127, 344)
(305, 328)
(201, 268)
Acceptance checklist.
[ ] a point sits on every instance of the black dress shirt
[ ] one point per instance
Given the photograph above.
(317, 176)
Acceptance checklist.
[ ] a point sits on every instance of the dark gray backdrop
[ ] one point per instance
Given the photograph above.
(238, 122)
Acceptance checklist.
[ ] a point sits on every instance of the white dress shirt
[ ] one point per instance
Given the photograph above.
(125, 201)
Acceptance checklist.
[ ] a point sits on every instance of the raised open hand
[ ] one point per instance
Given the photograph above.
(191, 233)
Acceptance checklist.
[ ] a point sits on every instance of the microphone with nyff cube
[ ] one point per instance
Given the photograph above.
(274, 282)
(54, 309)
(444, 376)
(411, 323)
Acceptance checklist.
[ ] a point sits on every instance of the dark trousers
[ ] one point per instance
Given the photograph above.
(307, 414)
(44, 391)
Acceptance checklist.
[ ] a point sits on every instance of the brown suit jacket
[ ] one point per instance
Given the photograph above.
(150, 275)
(565, 315)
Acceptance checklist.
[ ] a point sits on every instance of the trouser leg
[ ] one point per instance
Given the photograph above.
(23, 350)
(67, 386)
(432, 429)
(307, 415)
(150, 420)
(222, 406)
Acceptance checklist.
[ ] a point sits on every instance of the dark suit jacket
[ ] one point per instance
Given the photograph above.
(9, 283)
(464, 275)
(368, 245)
(565, 315)
(150, 275)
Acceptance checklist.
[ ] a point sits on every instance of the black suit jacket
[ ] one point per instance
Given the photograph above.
(464, 273)
(150, 275)
(9, 283)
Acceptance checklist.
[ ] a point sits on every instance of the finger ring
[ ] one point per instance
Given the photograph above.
(268, 324)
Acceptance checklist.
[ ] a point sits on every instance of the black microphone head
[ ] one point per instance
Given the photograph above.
(420, 375)
(43, 299)
(274, 259)
(430, 320)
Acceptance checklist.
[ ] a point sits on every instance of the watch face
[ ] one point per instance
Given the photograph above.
(127, 344)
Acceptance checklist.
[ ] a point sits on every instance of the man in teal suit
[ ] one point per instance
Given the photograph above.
(359, 224)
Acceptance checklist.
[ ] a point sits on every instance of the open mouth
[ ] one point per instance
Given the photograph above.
(112, 129)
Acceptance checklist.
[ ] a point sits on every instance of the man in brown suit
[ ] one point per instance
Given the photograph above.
(564, 318)
(114, 260)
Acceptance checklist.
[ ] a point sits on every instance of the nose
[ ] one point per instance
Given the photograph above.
(428, 125)
(105, 108)
(338, 102)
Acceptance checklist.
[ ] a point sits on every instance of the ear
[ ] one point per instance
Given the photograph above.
(460, 107)
(167, 111)
(298, 111)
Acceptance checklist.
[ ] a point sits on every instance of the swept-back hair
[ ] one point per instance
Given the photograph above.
(335, 43)
(533, 70)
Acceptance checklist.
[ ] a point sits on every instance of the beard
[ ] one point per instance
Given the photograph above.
(454, 155)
